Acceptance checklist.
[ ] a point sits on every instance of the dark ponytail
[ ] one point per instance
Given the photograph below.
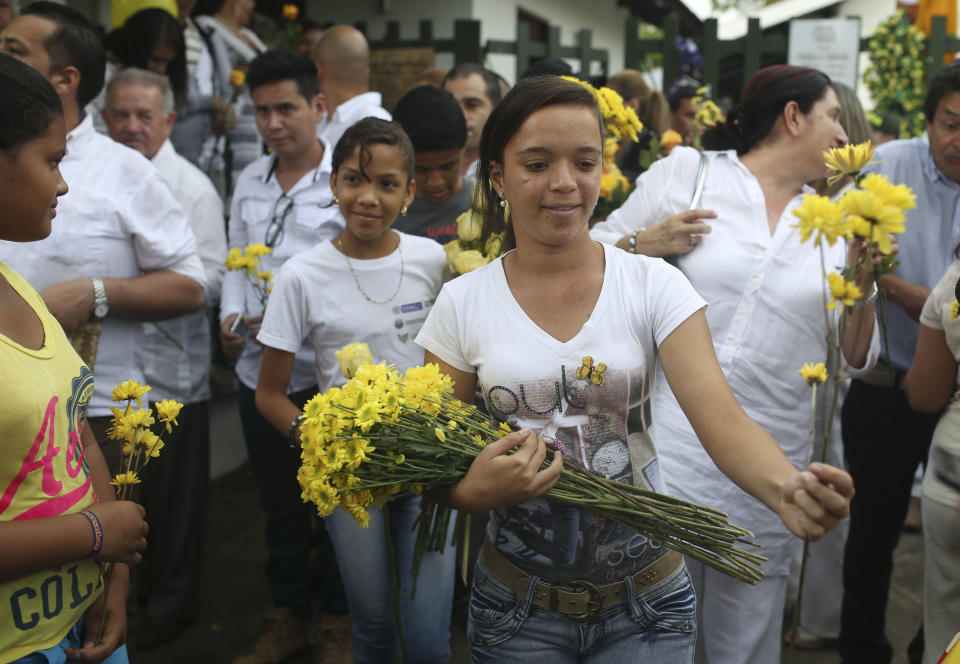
(762, 102)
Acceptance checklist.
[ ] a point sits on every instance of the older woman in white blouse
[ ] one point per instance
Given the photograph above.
(765, 310)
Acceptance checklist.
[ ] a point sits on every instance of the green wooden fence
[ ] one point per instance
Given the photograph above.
(465, 45)
(752, 46)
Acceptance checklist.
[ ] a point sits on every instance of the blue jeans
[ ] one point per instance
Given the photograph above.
(293, 528)
(655, 626)
(366, 568)
(73, 639)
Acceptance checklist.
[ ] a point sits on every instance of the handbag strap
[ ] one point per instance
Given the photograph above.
(700, 182)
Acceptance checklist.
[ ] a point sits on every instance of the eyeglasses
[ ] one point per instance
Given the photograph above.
(274, 234)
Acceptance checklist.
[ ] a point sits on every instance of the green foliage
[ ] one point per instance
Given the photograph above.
(897, 75)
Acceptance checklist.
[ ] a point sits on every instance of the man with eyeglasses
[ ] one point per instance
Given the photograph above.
(282, 200)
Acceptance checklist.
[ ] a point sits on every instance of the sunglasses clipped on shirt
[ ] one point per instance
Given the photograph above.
(278, 219)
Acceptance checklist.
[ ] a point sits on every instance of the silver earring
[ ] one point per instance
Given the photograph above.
(503, 202)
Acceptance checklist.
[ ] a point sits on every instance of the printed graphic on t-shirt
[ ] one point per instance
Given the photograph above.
(409, 318)
(46, 457)
(600, 417)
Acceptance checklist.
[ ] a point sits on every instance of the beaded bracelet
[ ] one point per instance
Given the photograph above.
(632, 242)
(293, 430)
(97, 529)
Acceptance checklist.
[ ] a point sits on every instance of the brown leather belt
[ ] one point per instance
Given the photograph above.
(581, 600)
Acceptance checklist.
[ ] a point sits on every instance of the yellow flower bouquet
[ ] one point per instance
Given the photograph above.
(382, 434)
(871, 212)
(619, 122)
(140, 444)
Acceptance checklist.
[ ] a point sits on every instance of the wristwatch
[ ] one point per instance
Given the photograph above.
(100, 305)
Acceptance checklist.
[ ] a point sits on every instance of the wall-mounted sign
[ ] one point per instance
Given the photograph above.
(831, 45)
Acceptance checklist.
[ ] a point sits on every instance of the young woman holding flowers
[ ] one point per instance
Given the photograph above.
(564, 334)
(58, 517)
(374, 285)
(931, 388)
(766, 314)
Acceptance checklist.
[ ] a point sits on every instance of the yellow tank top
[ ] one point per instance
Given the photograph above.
(43, 473)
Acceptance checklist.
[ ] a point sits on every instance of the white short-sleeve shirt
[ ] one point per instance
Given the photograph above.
(119, 221)
(530, 379)
(936, 316)
(315, 298)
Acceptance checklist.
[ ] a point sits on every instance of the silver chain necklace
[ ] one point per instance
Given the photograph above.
(357, 281)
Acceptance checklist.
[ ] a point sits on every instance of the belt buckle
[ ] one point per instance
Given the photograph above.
(593, 600)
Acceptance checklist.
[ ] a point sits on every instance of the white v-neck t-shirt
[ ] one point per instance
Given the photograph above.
(530, 379)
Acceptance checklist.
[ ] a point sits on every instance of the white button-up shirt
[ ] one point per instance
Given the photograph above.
(183, 372)
(312, 218)
(766, 315)
(347, 114)
(118, 221)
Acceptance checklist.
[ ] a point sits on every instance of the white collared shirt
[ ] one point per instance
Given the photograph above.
(766, 315)
(183, 372)
(312, 218)
(348, 113)
(118, 221)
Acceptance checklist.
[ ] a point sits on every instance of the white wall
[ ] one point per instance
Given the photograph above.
(498, 20)
(408, 12)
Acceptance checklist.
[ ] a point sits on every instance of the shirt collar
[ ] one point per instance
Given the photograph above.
(166, 153)
(355, 103)
(930, 167)
(266, 168)
(82, 130)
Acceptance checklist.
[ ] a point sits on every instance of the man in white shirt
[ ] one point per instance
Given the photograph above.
(176, 354)
(477, 90)
(342, 57)
(121, 252)
(283, 200)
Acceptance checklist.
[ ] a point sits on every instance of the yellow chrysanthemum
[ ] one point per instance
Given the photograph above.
(291, 12)
(441, 436)
(167, 412)
(129, 390)
(124, 479)
(821, 216)
(138, 419)
(899, 196)
(366, 416)
(871, 218)
(709, 114)
(237, 78)
(814, 373)
(841, 290)
(848, 160)
(257, 250)
(236, 260)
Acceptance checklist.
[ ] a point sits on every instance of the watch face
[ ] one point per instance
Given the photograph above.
(101, 310)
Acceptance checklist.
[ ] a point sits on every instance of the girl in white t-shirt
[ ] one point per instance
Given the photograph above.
(374, 285)
(564, 334)
(931, 386)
